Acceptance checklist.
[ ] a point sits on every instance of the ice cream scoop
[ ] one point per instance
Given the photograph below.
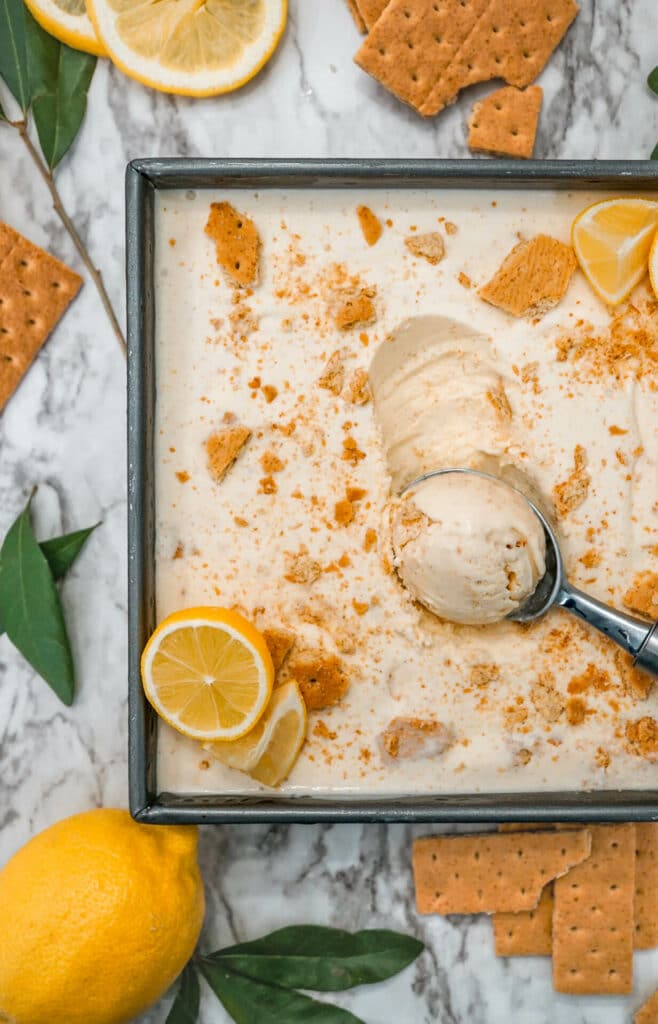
(467, 546)
(637, 637)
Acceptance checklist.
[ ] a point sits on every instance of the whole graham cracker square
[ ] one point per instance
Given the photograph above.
(505, 122)
(411, 44)
(646, 885)
(593, 919)
(35, 290)
(648, 1012)
(483, 874)
(528, 933)
(532, 278)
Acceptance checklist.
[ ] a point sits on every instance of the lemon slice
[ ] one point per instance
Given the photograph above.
(68, 21)
(270, 750)
(612, 240)
(190, 47)
(653, 264)
(208, 673)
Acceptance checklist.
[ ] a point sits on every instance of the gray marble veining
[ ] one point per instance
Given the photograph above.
(65, 431)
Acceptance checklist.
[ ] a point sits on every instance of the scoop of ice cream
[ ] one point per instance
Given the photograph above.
(467, 547)
(440, 400)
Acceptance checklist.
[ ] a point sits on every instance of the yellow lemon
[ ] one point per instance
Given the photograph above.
(611, 240)
(270, 749)
(68, 21)
(100, 916)
(208, 673)
(190, 47)
(653, 264)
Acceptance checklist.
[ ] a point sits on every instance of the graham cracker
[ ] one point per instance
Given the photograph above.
(321, 677)
(646, 885)
(279, 643)
(648, 1012)
(358, 17)
(412, 738)
(532, 278)
(476, 874)
(522, 826)
(371, 226)
(429, 246)
(593, 920)
(512, 39)
(223, 448)
(505, 122)
(371, 10)
(528, 933)
(410, 45)
(35, 290)
(237, 240)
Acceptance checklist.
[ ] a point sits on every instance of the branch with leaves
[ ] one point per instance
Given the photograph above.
(49, 81)
(30, 608)
(259, 981)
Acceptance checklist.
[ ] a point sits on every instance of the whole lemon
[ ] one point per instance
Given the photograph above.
(100, 915)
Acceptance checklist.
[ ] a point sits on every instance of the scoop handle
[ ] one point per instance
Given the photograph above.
(638, 638)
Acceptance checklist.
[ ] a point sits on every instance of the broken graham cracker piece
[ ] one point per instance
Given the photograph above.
(513, 40)
(223, 448)
(237, 241)
(358, 17)
(572, 492)
(35, 290)
(333, 374)
(371, 226)
(646, 885)
(648, 1012)
(532, 278)
(321, 676)
(279, 643)
(642, 737)
(414, 738)
(642, 596)
(505, 122)
(593, 922)
(357, 309)
(528, 933)
(429, 246)
(485, 874)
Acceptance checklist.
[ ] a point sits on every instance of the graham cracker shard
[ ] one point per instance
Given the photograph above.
(279, 643)
(371, 226)
(371, 10)
(486, 874)
(505, 122)
(528, 933)
(237, 241)
(414, 738)
(646, 885)
(358, 17)
(593, 919)
(321, 676)
(532, 278)
(429, 246)
(35, 290)
(648, 1012)
(223, 448)
(642, 596)
(572, 492)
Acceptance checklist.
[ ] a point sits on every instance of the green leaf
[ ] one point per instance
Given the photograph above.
(3, 116)
(31, 608)
(61, 552)
(322, 959)
(185, 1008)
(42, 52)
(248, 1000)
(652, 80)
(59, 109)
(654, 152)
(13, 51)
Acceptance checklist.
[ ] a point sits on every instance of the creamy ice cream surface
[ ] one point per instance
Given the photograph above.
(468, 547)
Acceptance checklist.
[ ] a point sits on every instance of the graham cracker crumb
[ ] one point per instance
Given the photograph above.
(642, 737)
(570, 494)
(178, 553)
(344, 512)
(357, 390)
(642, 597)
(576, 711)
(484, 673)
(269, 393)
(591, 559)
(370, 224)
(414, 738)
(322, 730)
(602, 758)
(593, 678)
(357, 310)
(635, 683)
(370, 540)
(464, 280)
(223, 448)
(267, 485)
(351, 451)
(545, 697)
(271, 463)
(522, 757)
(321, 677)
(301, 568)
(183, 476)
(333, 375)
(279, 643)
(450, 228)
(429, 246)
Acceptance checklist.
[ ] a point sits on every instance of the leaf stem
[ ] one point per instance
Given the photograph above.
(94, 273)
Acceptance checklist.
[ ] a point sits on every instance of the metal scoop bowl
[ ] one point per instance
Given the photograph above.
(636, 637)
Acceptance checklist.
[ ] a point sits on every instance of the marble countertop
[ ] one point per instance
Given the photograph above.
(65, 431)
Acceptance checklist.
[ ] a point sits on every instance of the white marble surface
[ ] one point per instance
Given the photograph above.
(65, 431)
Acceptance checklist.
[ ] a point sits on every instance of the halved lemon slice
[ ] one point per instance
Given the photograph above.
(653, 264)
(68, 21)
(208, 673)
(190, 47)
(612, 239)
(270, 750)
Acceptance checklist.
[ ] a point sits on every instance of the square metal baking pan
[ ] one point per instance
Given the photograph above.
(143, 178)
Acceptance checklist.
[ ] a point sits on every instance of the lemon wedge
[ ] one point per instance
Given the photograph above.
(68, 21)
(269, 750)
(190, 47)
(208, 673)
(611, 240)
(653, 264)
